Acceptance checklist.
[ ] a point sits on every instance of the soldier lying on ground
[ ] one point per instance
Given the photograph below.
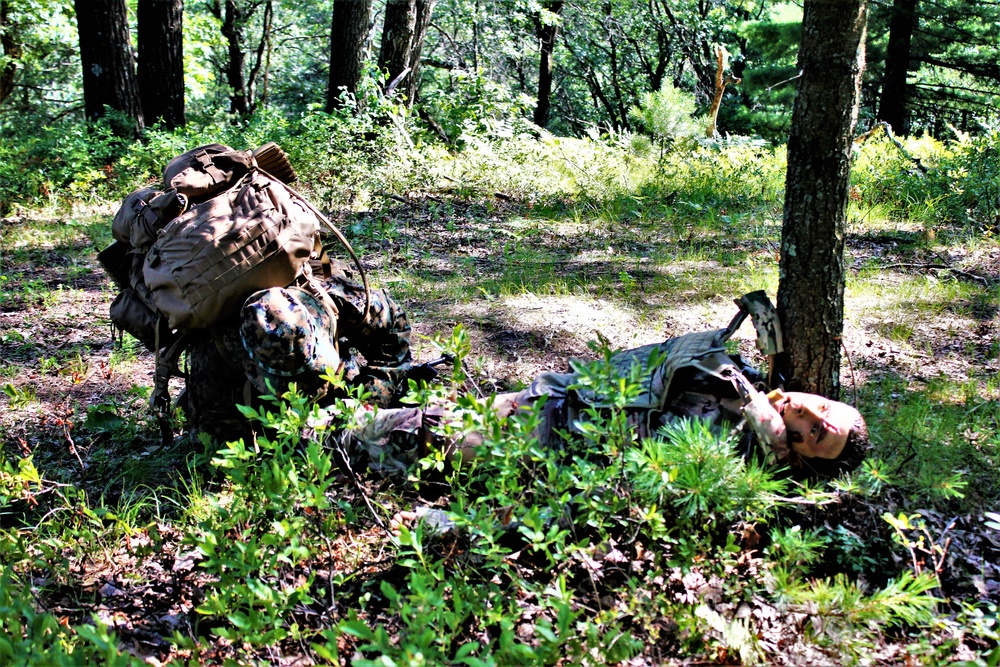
(284, 335)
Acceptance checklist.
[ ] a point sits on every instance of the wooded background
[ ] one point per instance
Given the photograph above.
(573, 67)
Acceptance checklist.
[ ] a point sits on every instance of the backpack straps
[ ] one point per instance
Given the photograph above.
(166, 366)
(339, 236)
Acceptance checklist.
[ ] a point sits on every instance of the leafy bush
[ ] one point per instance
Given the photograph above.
(29, 637)
(260, 534)
(731, 172)
(668, 114)
(957, 185)
(468, 104)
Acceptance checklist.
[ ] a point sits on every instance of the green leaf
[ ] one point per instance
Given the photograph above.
(239, 619)
(357, 628)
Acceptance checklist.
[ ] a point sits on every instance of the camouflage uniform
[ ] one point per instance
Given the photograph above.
(293, 334)
(689, 376)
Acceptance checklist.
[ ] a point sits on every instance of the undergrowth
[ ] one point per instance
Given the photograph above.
(540, 555)
(673, 549)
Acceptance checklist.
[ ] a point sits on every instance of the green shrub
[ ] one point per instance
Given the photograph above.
(29, 637)
(271, 521)
(668, 114)
(957, 185)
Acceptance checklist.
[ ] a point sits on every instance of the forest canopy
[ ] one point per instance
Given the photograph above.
(928, 65)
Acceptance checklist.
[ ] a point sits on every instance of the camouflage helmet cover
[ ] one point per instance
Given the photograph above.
(289, 336)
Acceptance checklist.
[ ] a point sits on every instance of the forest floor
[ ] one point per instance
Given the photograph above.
(530, 288)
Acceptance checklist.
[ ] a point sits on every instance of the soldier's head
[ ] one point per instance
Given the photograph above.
(827, 436)
(289, 336)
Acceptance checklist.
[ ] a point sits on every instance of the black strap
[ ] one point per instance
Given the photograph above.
(167, 360)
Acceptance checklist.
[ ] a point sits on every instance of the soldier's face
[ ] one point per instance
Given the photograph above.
(816, 427)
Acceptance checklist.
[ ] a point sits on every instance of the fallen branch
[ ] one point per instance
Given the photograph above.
(895, 142)
(830, 500)
(402, 200)
(939, 267)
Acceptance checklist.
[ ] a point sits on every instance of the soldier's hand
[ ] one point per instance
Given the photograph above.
(422, 373)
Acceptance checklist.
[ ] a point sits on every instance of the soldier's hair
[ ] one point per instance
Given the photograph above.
(858, 445)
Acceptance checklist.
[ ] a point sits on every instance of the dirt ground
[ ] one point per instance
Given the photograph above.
(59, 360)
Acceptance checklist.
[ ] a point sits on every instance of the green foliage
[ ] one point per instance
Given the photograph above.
(843, 608)
(794, 549)
(769, 62)
(947, 84)
(698, 472)
(572, 554)
(29, 638)
(958, 188)
(564, 508)
(939, 442)
(268, 525)
(737, 173)
(668, 114)
(470, 104)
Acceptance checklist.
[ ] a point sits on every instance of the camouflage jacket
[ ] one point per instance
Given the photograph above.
(376, 355)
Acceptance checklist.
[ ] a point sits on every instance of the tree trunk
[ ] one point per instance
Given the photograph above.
(811, 269)
(262, 57)
(546, 32)
(108, 64)
(397, 41)
(348, 39)
(424, 10)
(10, 50)
(892, 103)
(609, 22)
(232, 30)
(161, 61)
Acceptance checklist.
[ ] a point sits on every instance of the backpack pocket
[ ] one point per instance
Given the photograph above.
(143, 214)
(131, 314)
(210, 259)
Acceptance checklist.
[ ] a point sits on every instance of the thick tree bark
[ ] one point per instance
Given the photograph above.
(811, 269)
(397, 40)
(109, 78)
(348, 39)
(161, 61)
(546, 32)
(232, 30)
(424, 10)
(10, 48)
(892, 102)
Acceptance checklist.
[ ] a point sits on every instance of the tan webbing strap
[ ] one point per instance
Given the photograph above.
(340, 237)
(208, 166)
(159, 400)
(323, 259)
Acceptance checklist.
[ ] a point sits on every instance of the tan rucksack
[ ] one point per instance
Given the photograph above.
(208, 260)
(226, 225)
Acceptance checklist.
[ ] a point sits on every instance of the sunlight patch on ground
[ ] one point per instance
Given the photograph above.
(623, 326)
(583, 317)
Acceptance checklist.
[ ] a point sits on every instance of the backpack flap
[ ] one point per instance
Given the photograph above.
(131, 314)
(204, 172)
(117, 261)
(143, 214)
(131, 208)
